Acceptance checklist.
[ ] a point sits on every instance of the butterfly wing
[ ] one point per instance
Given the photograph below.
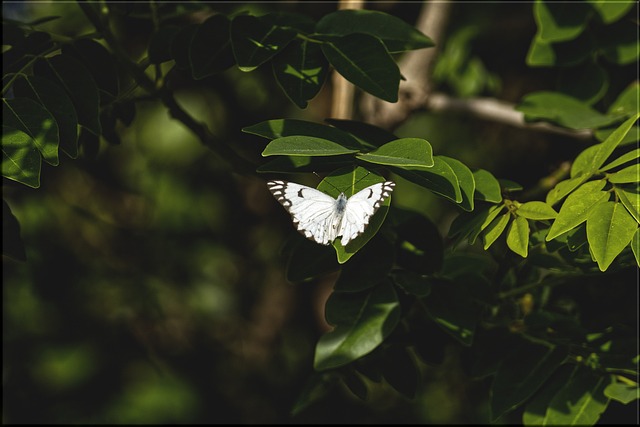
(360, 207)
(313, 211)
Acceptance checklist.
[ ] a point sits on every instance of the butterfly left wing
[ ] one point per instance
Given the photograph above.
(360, 207)
(313, 211)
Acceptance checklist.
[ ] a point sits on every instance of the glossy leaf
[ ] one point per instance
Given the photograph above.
(278, 128)
(580, 402)
(495, 229)
(625, 175)
(366, 134)
(404, 152)
(301, 69)
(55, 100)
(521, 374)
(255, 41)
(304, 146)
(577, 207)
(307, 260)
(316, 164)
(362, 321)
(77, 81)
(367, 267)
(34, 120)
(487, 186)
(210, 48)
(518, 236)
(466, 180)
(610, 229)
(631, 200)
(440, 179)
(397, 35)
(364, 61)
(536, 210)
(21, 160)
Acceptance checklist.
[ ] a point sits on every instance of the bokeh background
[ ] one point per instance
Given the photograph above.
(154, 290)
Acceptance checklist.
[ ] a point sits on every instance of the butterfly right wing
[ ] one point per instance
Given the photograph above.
(313, 211)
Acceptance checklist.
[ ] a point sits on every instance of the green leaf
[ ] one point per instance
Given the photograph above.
(630, 138)
(160, 44)
(56, 101)
(99, 62)
(367, 267)
(278, 128)
(619, 43)
(316, 387)
(560, 54)
(440, 179)
(355, 384)
(585, 82)
(31, 118)
(536, 410)
(495, 229)
(611, 11)
(580, 402)
(560, 21)
(304, 146)
(255, 41)
(627, 102)
(306, 164)
(565, 187)
(590, 160)
(487, 186)
(404, 152)
(362, 321)
(623, 393)
(364, 61)
(631, 200)
(351, 180)
(466, 181)
(20, 158)
(300, 70)
(77, 81)
(521, 374)
(563, 110)
(400, 371)
(536, 210)
(181, 46)
(472, 224)
(397, 35)
(518, 236)
(307, 260)
(418, 243)
(635, 246)
(210, 48)
(412, 283)
(366, 134)
(610, 229)
(577, 207)
(627, 157)
(628, 174)
(12, 245)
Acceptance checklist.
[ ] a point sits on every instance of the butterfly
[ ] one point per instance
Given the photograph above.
(322, 218)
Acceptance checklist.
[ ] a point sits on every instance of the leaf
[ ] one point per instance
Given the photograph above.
(210, 48)
(306, 164)
(631, 200)
(619, 43)
(397, 35)
(560, 54)
(560, 21)
(367, 267)
(623, 393)
(518, 236)
(255, 41)
(466, 180)
(418, 243)
(55, 100)
(31, 118)
(278, 128)
(577, 207)
(364, 61)
(610, 11)
(635, 246)
(610, 229)
(628, 174)
(521, 374)
(626, 104)
(536, 409)
(12, 245)
(412, 283)
(565, 187)
(590, 160)
(366, 134)
(160, 44)
(301, 70)
(495, 229)
(100, 64)
(536, 210)
(76, 80)
(355, 384)
(362, 321)
(316, 387)
(472, 224)
(586, 82)
(440, 179)
(627, 157)
(307, 260)
(487, 186)
(304, 146)
(563, 110)
(412, 152)
(181, 45)
(20, 158)
(580, 402)
(400, 371)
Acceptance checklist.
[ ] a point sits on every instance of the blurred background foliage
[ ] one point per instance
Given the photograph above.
(154, 289)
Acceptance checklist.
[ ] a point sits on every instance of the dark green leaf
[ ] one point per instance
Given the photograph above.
(307, 259)
(278, 128)
(355, 383)
(362, 321)
(419, 246)
(404, 152)
(619, 43)
(301, 69)
(364, 61)
(627, 102)
(440, 179)
(560, 54)
(536, 409)
(367, 267)
(400, 371)
(560, 21)
(304, 146)
(487, 186)
(412, 283)
(466, 180)
(586, 82)
(21, 160)
(210, 49)
(181, 46)
(366, 134)
(12, 245)
(306, 164)
(397, 35)
(316, 387)
(99, 62)
(160, 44)
(255, 41)
(581, 401)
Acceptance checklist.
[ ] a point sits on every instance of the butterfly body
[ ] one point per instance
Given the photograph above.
(322, 218)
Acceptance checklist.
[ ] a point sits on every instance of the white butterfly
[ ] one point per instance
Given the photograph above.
(322, 218)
